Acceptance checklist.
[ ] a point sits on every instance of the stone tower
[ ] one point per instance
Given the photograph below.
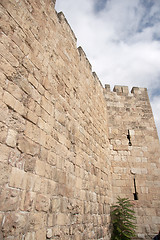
(135, 153)
(68, 147)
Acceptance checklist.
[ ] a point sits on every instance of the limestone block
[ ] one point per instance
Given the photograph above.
(42, 138)
(19, 108)
(27, 201)
(30, 236)
(33, 80)
(40, 88)
(52, 188)
(3, 130)
(60, 117)
(18, 178)
(144, 189)
(37, 220)
(55, 204)
(1, 93)
(36, 95)
(31, 116)
(25, 145)
(62, 219)
(15, 159)
(32, 132)
(13, 103)
(61, 176)
(47, 105)
(9, 100)
(49, 233)
(14, 224)
(56, 231)
(37, 183)
(50, 220)
(41, 123)
(42, 203)
(40, 168)
(5, 171)
(141, 236)
(6, 67)
(13, 89)
(3, 82)
(11, 138)
(9, 199)
(40, 234)
(52, 158)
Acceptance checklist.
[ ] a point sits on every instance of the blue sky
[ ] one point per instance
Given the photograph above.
(122, 41)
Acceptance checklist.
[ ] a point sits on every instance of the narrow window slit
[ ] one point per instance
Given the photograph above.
(129, 138)
(135, 193)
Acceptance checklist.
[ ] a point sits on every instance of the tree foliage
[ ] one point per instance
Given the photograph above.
(123, 220)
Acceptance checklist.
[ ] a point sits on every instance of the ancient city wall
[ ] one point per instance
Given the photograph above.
(135, 154)
(55, 168)
(63, 141)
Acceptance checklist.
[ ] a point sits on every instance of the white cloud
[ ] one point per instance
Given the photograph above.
(121, 41)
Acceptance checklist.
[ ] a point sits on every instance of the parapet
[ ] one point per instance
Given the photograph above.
(97, 79)
(84, 57)
(62, 19)
(123, 90)
(81, 53)
(137, 90)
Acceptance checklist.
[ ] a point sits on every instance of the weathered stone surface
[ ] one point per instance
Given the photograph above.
(28, 201)
(11, 138)
(5, 171)
(30, 163)
(68, 147)
(9, 199)
(42, 203)
(14, 224)
(49, 233)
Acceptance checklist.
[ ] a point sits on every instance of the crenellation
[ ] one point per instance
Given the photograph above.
(121, 89)
(63, 20)
(84, 58)
(107, 88)
(124, 91)
(138, 90)
(68, 146)
(97, 79)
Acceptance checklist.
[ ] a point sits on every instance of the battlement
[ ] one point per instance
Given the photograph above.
(67, 144)
(124, 90)
(64, 21)
(84, 58)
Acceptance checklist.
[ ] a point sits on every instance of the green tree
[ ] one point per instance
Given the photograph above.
(123, 220)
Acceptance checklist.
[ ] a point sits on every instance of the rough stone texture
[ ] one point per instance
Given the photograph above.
(131, 114)
(64, 154)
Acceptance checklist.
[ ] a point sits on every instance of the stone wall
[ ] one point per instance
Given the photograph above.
(62, 143)
(135, 154)
(55, 168)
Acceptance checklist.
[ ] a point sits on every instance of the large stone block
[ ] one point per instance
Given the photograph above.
(14, 224)
(11, 138)
(18, 178)
(9, 199)
(5, 172)
(42, 203)
(25, 145)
